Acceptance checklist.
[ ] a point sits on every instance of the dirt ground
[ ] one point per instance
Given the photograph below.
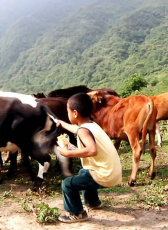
(13, 218)
(121, 217)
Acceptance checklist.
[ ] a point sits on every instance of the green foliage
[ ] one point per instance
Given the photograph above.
(100, 44)
(117, 189)
(26, 207)
(45, 214)
(134, 83)
(8, 194)
(20, 181)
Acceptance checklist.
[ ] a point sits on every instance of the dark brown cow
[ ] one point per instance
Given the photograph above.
(68, 92)
(127, 119)
(58, 106)
(29, 126)
(39, 95)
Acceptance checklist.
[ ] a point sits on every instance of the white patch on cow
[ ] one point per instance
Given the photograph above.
(25, 99)
(64, 161)
(10, 147)
(40, 137)
(48, 123)
(54, 119)
(43, 169)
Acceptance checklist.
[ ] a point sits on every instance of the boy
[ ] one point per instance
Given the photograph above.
(99, 158)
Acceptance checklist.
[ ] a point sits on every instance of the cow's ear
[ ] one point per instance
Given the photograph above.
(96, 96)
(99, 98)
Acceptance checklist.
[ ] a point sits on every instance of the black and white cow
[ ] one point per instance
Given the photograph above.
(29, 126)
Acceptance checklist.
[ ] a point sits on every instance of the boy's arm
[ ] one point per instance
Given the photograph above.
(69, 127)
(89, 149)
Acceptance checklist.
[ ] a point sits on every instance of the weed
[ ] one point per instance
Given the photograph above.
(8, 194)
(42, 212)
(45, 214)
(20, 181)
(25, 206)
(119, 189)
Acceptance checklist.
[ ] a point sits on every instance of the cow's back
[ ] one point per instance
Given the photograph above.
(161, 104)
(127, 113)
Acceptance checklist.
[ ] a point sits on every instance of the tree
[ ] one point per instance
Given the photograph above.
(134, 83)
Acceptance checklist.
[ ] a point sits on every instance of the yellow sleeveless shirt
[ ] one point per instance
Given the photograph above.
(105, 167)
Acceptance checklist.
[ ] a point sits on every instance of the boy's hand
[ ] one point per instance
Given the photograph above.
(58, 123)
(64, 151)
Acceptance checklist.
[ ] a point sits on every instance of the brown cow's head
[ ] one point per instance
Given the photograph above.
(102, 99)
(98, 99)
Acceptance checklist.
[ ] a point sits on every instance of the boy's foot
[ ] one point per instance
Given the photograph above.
(99, 206)
(71, 218)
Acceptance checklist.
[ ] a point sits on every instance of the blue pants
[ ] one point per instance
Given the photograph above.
(71, 188)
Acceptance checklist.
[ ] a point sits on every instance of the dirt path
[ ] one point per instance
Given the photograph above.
(115, 213)
(13, 218)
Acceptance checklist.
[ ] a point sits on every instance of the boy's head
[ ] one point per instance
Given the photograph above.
(81, 103)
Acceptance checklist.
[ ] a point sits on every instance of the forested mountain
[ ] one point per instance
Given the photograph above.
(49, 44)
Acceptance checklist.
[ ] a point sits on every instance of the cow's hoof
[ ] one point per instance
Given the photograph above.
(153, 175)
(132, 183)
(1, 180)
(67, 174)
(8, 175)
(36, 185)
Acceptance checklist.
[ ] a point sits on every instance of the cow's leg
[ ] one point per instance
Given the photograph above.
(159, 142)
(43, 168)
(117, 144)
(152, 150)
(1, 162)
(1, 165)
(13, 163)
(28, 166)
(7, 157)
(137, 151)
(74, 142)
(64, 162)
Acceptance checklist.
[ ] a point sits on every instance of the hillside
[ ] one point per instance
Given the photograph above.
(98, 43)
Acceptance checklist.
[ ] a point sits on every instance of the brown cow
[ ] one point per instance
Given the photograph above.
(127, 119)
(161, 104)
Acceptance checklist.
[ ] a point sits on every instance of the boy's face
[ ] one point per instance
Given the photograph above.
(71, 115)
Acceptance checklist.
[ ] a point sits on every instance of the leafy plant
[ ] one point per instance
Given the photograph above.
(8, 194)
(45, 214)
(20, 181)
(42, 212)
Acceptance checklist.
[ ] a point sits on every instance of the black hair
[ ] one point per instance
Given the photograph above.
(82, 103)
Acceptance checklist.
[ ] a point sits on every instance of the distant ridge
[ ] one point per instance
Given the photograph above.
(97, 43)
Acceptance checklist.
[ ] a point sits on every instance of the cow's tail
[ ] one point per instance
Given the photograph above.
(150, 108)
